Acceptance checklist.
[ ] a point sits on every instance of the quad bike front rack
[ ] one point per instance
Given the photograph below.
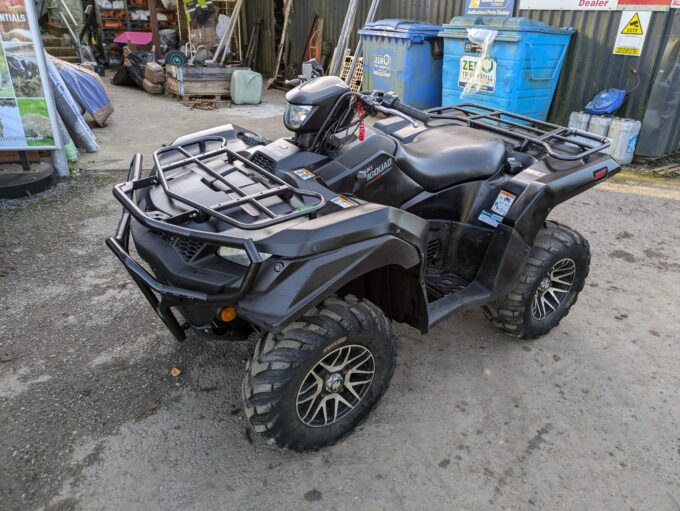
(191, 156)
(561, 143)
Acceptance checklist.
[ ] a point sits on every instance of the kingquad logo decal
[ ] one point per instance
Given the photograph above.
(377, 169)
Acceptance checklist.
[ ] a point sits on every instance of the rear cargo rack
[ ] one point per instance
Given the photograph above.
(559, 142)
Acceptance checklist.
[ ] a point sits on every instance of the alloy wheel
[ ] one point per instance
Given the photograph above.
(554, 289)
(335, 385)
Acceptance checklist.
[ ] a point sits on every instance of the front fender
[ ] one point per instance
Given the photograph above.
(288, 289)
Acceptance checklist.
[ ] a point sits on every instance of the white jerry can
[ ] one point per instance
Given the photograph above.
(579, 121)
(599, 125)
(624, 135)
(246, 87)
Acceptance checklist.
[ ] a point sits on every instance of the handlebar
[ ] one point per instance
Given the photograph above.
(416, 113)
(390, 104)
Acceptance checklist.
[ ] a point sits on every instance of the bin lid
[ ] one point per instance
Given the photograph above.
(415, 30)
(503, 24)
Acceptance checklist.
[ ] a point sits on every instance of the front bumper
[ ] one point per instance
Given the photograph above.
(170, 296)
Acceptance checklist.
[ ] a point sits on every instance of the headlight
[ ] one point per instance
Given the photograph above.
(296, 115)
(238, 255)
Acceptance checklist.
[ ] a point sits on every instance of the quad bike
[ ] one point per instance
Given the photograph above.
(318, 242)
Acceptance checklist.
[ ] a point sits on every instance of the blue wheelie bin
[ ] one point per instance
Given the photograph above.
(521, 75)
(404, 57)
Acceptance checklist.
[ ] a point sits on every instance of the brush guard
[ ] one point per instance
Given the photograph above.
(181, 156)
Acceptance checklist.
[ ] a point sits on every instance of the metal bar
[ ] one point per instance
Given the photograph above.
(228, 34)
(360, 45)
(343, 40)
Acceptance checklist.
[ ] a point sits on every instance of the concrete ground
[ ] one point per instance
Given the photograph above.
(587, 417)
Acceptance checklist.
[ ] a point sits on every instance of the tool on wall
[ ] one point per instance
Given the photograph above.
(282, 43)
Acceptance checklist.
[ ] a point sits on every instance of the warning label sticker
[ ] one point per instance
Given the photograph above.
(304, 174)
(343, 202)
(490, 218)
(503, 203)
(632, 32)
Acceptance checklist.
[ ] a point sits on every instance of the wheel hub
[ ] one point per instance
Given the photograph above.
(333, 383)
(554, 289)
(335, 386)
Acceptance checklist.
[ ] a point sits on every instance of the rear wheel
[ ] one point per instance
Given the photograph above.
(311, 384)
(554, 275)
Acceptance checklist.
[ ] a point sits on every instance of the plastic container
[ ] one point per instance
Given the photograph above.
(579, 121)
(527, 60)
(599, 125)
(624, 135)
(404, 57)
(246, 87)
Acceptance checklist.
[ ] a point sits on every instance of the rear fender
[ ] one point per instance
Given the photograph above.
(544, 186)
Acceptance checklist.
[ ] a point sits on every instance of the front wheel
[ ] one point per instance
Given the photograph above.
(552, 279)
(313, 383)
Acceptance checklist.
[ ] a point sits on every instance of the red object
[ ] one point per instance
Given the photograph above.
(361, 113)
(140, 38)
(657, 3)
(600, 174)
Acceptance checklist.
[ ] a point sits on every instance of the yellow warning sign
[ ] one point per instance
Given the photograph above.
(634, 26)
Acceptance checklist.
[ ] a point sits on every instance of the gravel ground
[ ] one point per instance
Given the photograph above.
(587, 417)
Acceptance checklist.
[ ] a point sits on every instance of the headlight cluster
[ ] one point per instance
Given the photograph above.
(238, 255)
(296, 114)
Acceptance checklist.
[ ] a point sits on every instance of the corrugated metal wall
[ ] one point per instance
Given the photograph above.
(660, 133)
(333, 13)
(590, 66)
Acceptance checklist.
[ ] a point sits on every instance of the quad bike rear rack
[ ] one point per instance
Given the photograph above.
(559, 142)
(181, 156)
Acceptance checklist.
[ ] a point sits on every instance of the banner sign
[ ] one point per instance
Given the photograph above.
(569, 5)
(632, 32)
(489, 7)
(649, 5)
(27, 116)
(595, 5)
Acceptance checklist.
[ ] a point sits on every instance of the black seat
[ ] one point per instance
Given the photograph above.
(445, 155)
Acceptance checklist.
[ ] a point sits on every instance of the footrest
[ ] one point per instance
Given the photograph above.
(439, 286)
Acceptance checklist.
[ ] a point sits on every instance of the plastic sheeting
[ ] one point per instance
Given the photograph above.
(89, 91)
(69, 111)
(484, 39)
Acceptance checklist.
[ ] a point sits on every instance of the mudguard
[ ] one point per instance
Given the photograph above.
(368, 238)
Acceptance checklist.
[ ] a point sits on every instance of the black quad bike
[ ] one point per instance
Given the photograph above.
(318, 242)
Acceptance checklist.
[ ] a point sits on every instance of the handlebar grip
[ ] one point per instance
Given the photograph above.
(413, 112)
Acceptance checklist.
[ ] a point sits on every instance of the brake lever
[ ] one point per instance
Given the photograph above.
(391, 111)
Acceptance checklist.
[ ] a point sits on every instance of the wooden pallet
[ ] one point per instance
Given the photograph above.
(201, 101)
(358, 78)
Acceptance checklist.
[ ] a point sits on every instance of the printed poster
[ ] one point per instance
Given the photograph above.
(26, 106)
(489, 7)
